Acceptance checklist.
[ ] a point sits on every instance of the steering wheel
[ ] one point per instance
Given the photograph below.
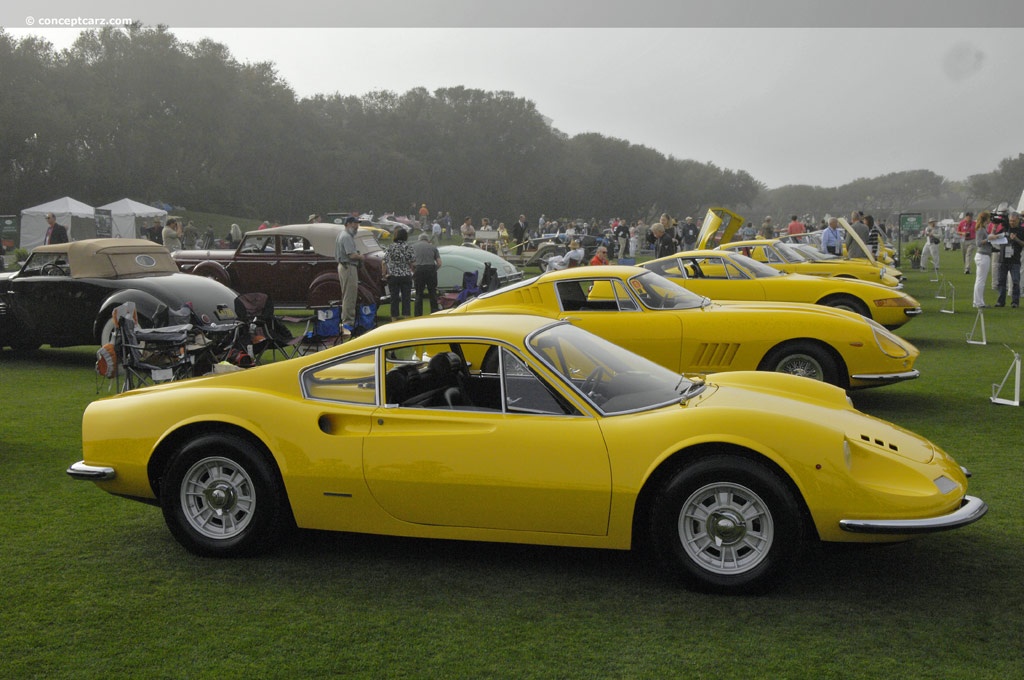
(591, 382)
(51, 269)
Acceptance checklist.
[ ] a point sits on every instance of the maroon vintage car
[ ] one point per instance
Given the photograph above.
(293, 264)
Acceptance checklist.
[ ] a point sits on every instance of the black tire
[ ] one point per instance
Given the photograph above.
(727, 524)
(849, 303)
(222, 498)
(804, 359)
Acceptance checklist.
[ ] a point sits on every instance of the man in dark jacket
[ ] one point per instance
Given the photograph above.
(57, 233)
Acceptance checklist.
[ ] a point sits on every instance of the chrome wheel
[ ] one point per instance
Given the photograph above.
(726, 528)
(803, 365)
(218, 498)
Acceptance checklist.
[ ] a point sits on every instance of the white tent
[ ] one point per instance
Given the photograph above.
(79, 218)
(128, 217)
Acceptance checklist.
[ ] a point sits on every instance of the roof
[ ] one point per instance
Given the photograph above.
(111, 258)
(127, 206)
(62, 206)
(321, 235)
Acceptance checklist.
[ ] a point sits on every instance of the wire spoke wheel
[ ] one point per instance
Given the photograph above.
(726, 528)
(803, 365)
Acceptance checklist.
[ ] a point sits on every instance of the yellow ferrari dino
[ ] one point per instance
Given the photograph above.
(521, 429)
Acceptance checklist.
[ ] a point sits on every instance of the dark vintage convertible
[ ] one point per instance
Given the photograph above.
(65, 294)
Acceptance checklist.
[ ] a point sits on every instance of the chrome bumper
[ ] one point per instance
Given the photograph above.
(971, 510)
(90, 473)
(886, 378)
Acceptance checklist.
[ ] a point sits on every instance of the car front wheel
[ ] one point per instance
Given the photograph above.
(222, 498)
(805, 360)
(727, 524)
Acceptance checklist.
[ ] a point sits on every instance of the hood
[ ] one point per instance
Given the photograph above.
(858, 240)
(718, 219)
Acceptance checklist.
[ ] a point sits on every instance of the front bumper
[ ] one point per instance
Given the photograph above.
(90, 473)
(886, 378)
(971, 510)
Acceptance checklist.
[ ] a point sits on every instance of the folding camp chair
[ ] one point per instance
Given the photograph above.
(323, 330)
(470, 288)
(260, 331)
(149, 355)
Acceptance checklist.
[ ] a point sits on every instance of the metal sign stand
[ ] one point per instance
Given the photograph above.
(996, 389)
(935, 272)
(970, 336)
(940, 293)
(950, 294)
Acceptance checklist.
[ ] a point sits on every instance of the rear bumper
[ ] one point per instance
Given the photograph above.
(90, 473)
(971, 510)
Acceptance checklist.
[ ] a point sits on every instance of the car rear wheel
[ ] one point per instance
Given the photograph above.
(727, 524)
(803, 359)
(222, 498)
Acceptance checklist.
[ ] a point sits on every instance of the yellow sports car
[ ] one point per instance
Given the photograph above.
(519, 429)
(727, 275)
(720, 226)
(656, 318)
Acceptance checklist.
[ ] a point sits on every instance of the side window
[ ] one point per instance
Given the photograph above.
(350, 379)
(526, 393)
(622, 297)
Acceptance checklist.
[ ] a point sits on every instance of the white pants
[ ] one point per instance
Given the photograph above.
(982, 264)
(930, 252)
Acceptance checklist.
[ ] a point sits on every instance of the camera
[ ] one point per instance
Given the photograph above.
(1000, 214)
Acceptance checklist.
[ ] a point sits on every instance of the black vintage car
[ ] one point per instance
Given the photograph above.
(65, 294)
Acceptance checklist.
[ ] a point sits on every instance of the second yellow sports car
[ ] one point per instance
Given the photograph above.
(721, 225)
(727, 275)
(656, 318)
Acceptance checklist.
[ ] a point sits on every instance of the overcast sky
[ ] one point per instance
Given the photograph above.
(798, 98)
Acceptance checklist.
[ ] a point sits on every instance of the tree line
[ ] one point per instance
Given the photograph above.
(135, 112)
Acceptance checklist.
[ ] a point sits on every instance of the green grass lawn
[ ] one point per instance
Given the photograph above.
(94, 586)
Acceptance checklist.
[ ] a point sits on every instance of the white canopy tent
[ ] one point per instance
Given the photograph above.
(79, 218)
(129, 218)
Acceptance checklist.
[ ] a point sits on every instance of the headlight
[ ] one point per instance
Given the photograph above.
(881, 272)
(889, 344)
(901, 301)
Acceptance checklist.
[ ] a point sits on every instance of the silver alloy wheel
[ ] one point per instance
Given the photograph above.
(726, 528)
(803, 365)
(218, 497)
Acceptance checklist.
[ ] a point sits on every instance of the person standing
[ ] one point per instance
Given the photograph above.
(426, 262)
(831, 239)
(518, 234)
(56, 233)
(424, 215)
(622, 236)
(853, 248)
(795, 226)
(349, 260)
(1009, 263)
(397, 271)
(931, 246)
(660, 238)
(966, 230)
(688, 234)
(467, 231)
(171, 234)
(982, 256)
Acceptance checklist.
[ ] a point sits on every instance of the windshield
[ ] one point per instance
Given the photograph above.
(758, 269)
(790, 253)
(611, 378)
(657, 292)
